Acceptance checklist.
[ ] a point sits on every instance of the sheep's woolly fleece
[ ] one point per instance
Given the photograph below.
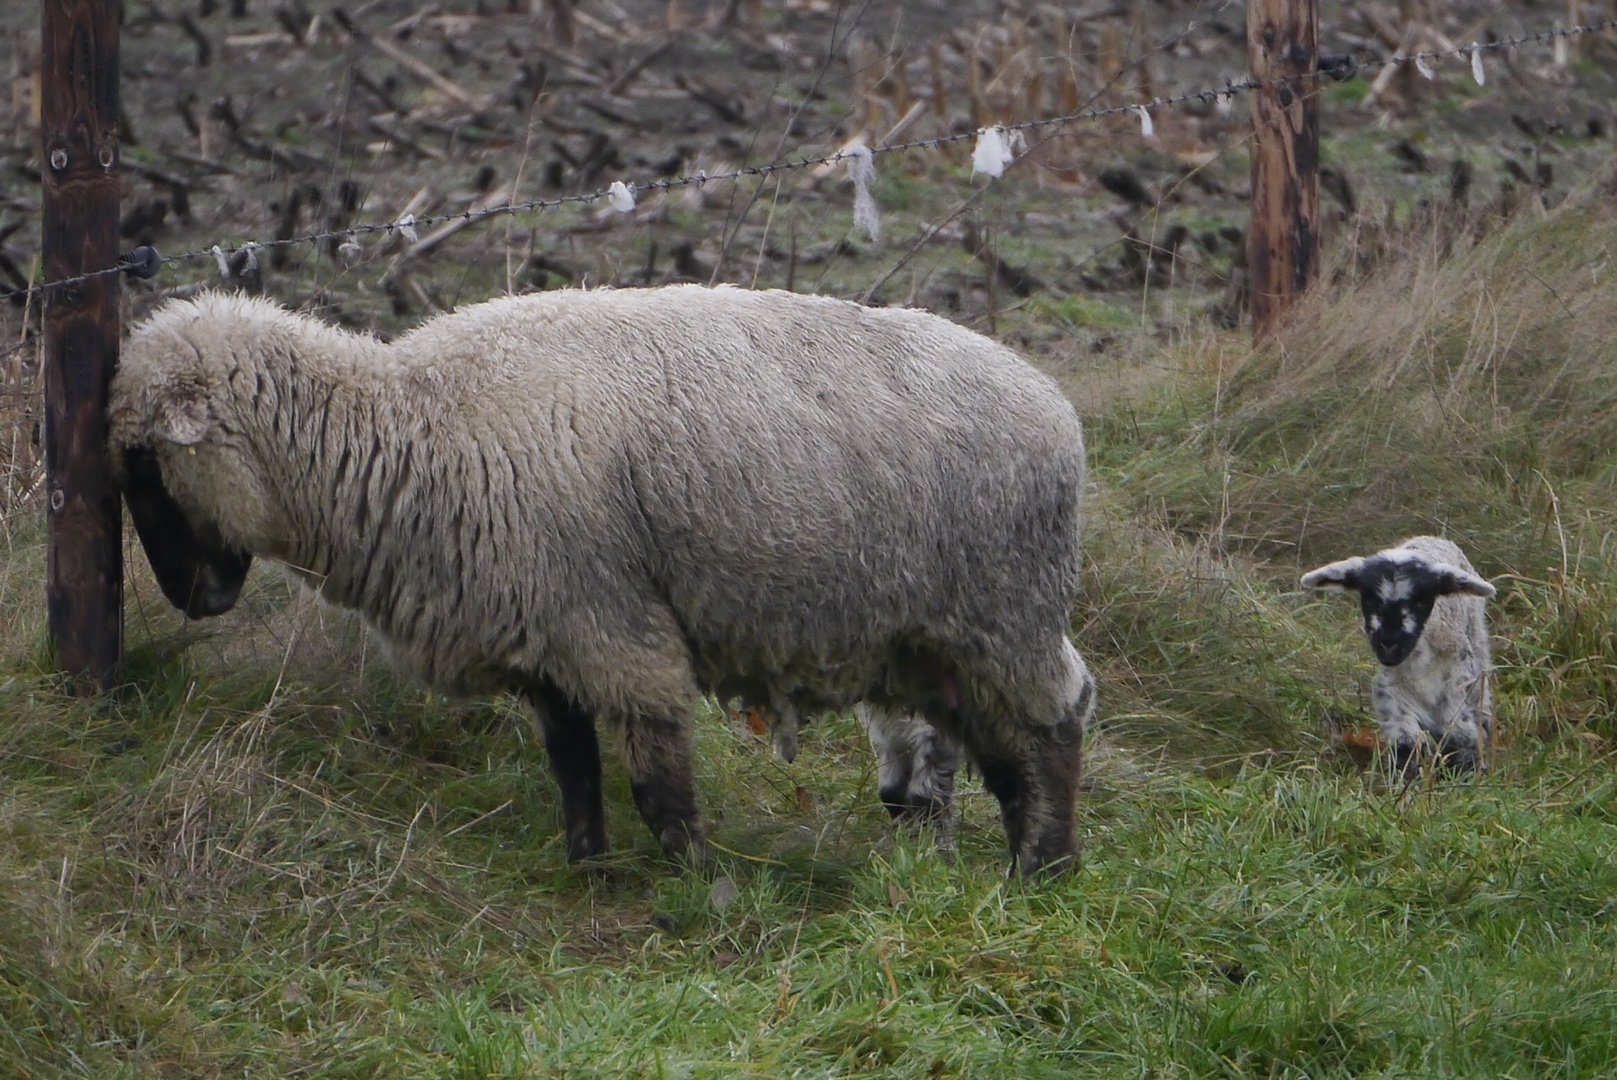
(635, 494)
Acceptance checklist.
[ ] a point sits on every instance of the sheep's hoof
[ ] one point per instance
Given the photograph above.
(1037, 868)
(586, 842)
(685, 845)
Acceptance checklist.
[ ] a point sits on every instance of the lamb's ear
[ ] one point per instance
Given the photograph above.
(183, 416)
(1342, 575)
(1451, 580)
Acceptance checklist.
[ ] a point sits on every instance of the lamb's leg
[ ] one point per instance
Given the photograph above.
(1467, 727)
(575, 758)
(1400, 729)
(916, 765)
(658, 751)
(1459, 746)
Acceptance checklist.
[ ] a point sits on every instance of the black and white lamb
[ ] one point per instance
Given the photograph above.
(610, 501)
(1423, 612)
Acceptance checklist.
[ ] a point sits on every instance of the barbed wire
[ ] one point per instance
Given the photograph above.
(146, 261)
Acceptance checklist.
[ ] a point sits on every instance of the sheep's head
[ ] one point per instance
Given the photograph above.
(1397, 590)
(176, 461)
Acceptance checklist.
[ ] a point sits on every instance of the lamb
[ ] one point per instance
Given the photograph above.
(916, 763)
(1423, 613)
(609, 501)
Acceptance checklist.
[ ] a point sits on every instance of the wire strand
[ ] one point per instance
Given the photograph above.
(221, 252)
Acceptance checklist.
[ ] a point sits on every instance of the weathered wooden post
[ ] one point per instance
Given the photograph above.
(1282, 39)
(79, 159)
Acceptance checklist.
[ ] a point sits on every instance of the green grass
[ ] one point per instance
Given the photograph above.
(270, 883)
(268, 856)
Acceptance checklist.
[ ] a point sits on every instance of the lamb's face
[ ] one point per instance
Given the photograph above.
(1398, 588)
(1396, 599)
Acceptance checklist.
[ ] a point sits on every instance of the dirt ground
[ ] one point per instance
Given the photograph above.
(248, 121)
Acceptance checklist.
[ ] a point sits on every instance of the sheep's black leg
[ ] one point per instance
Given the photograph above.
(658, 753)
(575, 758)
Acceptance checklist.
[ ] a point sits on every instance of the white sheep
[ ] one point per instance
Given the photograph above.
(608, 501)
(1423, 613)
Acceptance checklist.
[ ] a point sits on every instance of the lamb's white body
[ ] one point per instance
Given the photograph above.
(1442, 689)
(1438, 694)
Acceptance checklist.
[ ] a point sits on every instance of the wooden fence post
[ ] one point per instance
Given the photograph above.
(79, 167)
(1282, 39)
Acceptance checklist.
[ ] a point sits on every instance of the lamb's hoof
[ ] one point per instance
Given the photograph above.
(1406, 759)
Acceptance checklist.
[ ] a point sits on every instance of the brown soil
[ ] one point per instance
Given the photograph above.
(247, 121)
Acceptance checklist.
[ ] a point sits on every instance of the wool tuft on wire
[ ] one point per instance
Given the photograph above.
(1476, 64)
(406, 227)
(862, 171)
(1424, 68)
(1147, 128)
(221, 260)
(993, 152)
(621, 196)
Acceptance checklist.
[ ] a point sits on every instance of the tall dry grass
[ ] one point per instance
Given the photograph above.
(1463, 385)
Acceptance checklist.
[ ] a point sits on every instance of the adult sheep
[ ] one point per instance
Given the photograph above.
(609, 501)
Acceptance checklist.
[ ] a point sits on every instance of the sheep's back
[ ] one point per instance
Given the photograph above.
(798, 475)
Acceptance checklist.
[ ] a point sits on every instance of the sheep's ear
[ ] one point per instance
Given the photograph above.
(1342, 575)
(183, 419)
(1451, 580)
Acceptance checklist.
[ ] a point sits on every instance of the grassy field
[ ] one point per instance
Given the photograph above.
(269, 857)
